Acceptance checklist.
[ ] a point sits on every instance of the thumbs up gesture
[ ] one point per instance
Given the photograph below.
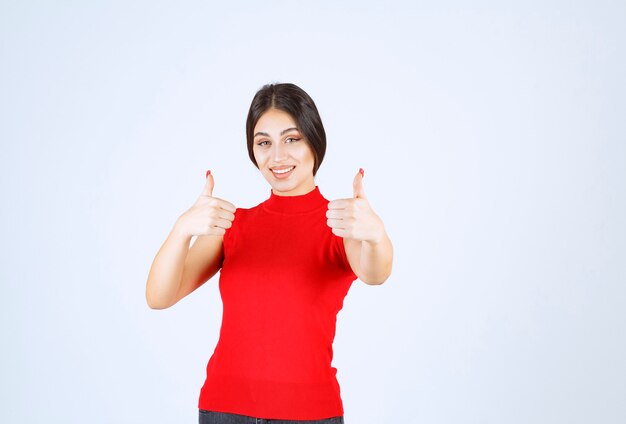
(209, 215)
(354, 218)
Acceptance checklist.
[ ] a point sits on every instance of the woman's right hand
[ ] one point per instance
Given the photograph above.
(209, 215)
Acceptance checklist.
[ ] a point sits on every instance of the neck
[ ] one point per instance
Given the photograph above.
(299, 203)
(304, 189)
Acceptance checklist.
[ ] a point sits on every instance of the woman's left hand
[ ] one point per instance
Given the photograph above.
(354, 218)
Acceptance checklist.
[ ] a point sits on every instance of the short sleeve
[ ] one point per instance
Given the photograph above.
(231, 233)
(339, 253)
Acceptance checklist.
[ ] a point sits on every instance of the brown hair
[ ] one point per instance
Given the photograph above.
(296, 102)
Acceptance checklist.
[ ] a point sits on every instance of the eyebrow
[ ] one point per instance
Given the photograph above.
(281, 133)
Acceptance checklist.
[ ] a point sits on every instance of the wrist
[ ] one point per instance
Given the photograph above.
(179, 232)
(377, 240)
(378, 233)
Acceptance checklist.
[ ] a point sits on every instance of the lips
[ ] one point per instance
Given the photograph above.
(281, 172)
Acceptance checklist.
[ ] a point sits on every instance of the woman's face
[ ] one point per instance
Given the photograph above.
(283, 154)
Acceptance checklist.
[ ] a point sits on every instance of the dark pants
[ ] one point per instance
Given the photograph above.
(211, 417)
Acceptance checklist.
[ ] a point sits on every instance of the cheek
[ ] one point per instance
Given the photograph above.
(258, 157)
(309, 157)
(305, 153)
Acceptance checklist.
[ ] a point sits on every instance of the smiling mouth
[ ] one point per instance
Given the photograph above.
(281, 171)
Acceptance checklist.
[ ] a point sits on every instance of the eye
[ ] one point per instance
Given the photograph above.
(291, 138)
(263, 143)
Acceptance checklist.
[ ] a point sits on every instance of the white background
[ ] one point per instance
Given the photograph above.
(493, 141)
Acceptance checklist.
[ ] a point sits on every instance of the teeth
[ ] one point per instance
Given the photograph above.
(282, 171)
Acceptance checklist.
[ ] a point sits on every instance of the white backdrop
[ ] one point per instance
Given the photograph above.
(493, 142)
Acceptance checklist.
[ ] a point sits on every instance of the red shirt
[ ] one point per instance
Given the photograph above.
(282, 283)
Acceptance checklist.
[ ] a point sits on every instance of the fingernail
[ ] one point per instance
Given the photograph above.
(362, 172)
(207, 173)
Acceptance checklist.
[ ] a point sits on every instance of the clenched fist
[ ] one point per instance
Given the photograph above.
(209, 215)
(354, 218)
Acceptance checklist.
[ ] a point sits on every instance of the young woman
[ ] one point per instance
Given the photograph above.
(285, 267)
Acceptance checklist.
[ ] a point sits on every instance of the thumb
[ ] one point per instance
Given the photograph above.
(208, 185)
(358, 184)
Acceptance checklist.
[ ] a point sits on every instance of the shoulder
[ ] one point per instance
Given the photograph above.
(248, 211)
(243, 215)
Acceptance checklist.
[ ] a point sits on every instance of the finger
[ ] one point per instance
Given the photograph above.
(225, 204)
(224, 214)
(340, 232)
(357, 184)
(337, 213)
(339, 203)
(336, 223)
(222, 223)
(207, 190)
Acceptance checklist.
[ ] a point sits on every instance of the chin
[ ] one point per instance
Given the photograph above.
(282, 188)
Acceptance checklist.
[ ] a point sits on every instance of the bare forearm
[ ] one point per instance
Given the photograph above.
(167, 269)
(371, 261)
(376, 260)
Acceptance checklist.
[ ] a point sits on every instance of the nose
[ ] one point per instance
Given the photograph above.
(279, 152)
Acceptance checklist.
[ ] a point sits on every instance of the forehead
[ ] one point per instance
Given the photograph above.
(274, 120)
